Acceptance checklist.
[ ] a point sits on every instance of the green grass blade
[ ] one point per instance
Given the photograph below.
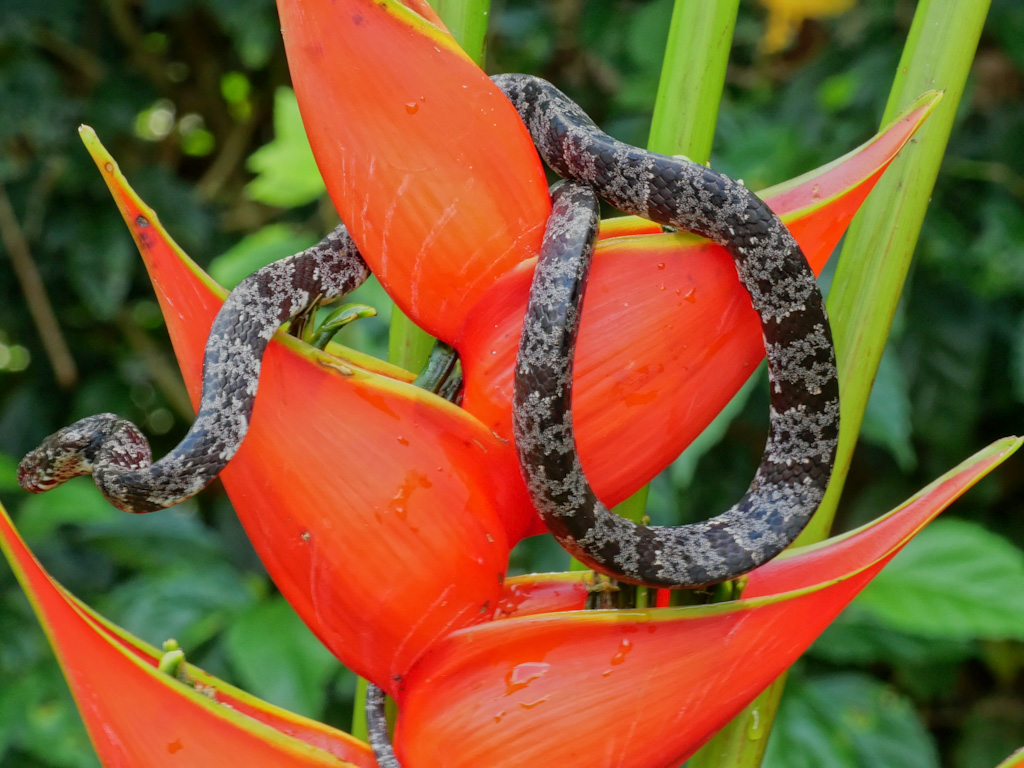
(881, 240)
(692, 78)
(867, 286)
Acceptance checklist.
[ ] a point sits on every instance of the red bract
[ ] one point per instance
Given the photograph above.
(446, 202)
(668, 335)
(138, 716)
(425, 160)
(588, 688)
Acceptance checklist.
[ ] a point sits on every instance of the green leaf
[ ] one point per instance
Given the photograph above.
(154, 542)
(278, 659)
(8, 473)
(74, 503)
(287, 175)
(847, 721)
(255, 251)
(857, 637)
(100, 266)
(955, 580)
(190, 602)
(887, 417)
(991, 731)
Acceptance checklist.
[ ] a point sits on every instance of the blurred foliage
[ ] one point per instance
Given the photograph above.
(191, 96)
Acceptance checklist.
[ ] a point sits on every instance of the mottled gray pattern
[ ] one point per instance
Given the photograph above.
(377, 728)
(804, 419)
(117, 454)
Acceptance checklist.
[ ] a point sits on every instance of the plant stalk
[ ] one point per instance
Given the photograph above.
(869, 278)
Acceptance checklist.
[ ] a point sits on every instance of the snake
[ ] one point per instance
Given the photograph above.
(115, 451)
(673, 191)
(796, 465)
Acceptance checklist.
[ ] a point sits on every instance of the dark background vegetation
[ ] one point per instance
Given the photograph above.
(925, 669)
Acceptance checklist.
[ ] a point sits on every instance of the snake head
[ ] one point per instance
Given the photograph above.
(66, 453)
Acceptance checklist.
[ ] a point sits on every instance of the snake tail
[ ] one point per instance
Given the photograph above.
(377, 728)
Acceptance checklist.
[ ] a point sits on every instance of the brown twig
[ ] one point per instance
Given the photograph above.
(32, 287)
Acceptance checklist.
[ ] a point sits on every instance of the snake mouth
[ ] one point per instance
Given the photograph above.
(33, 477)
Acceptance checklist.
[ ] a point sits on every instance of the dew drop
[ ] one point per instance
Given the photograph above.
(754, 728)
(620, 655)
(412, 107)
(523, 674)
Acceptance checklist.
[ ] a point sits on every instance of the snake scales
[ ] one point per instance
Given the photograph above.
(114, 450)
(804, 390)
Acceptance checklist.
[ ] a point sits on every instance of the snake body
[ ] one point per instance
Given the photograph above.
(804, 390)
(114, 450)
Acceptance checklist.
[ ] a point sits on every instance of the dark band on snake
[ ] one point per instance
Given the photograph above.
(804, 390)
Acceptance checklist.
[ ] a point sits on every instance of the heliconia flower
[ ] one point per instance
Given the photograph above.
(435, 174)
(640, 688)
(383, 513)
(348, 470)
(137, 715)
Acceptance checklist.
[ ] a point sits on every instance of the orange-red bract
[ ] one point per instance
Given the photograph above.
(138, 716)
(383, 513)
(644, 688)
(425, 160)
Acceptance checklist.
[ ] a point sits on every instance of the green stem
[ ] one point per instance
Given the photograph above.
(869, 278)
(689, 92)
(880, 243)
(467, 21)
(692, 78)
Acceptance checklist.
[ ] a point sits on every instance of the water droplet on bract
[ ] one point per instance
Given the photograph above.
(532, 704)
(754, 728)
(620, 655)
(402, 440)
(691, 295)
(661, 265)
(412, 107)
(523, 674)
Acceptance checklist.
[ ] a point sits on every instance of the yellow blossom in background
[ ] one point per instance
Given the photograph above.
(786, 16)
